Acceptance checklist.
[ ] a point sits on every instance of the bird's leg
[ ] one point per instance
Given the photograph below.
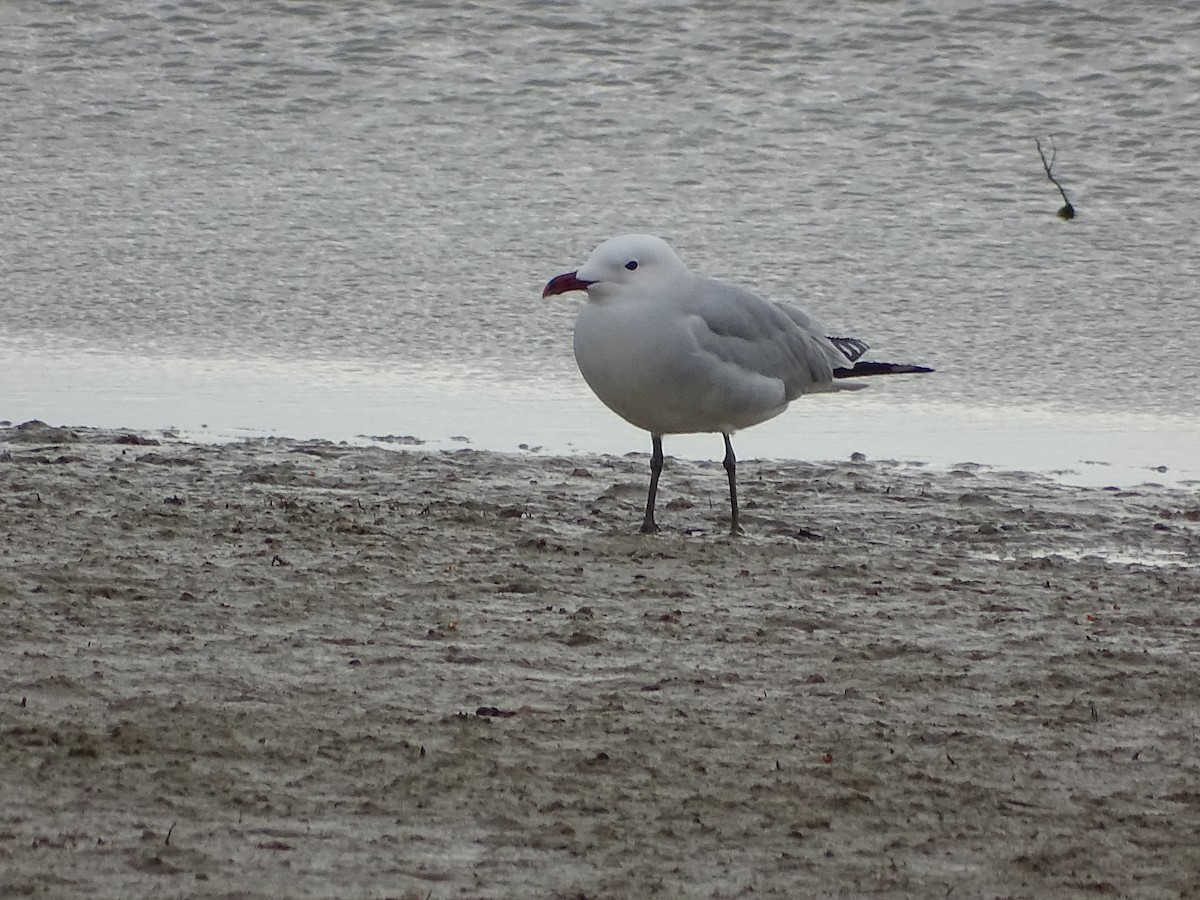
(656, 464)
(730, 464)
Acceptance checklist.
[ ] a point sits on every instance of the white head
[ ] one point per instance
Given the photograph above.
(629, 261)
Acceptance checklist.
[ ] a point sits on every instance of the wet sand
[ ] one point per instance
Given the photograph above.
(300, 669)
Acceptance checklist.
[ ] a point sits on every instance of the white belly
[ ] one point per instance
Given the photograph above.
(651, 372)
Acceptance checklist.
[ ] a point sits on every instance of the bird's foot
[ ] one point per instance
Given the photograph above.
(649, 527)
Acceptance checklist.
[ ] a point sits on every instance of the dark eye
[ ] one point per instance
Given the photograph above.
(631, 265)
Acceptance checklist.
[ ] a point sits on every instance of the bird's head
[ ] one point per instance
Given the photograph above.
(628, 261)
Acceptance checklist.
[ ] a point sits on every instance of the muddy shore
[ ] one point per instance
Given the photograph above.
(287, 668)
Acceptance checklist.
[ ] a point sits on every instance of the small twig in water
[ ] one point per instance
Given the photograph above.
(1068, 211)
(167, 842)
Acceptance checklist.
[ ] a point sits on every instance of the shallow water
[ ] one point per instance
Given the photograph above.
(336, 221)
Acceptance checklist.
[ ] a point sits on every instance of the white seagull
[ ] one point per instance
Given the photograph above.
(676, 353)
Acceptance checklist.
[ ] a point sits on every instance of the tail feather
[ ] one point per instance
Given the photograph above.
(861, 369)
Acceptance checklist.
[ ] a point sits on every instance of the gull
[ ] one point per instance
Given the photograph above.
(672, 352)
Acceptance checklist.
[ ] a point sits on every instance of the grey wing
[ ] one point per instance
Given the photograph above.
(850, 349)
(764, 338)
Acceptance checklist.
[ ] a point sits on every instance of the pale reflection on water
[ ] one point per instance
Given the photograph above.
(1116, 556)
(236, 398)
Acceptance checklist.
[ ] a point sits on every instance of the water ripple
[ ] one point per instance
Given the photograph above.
(365, 179)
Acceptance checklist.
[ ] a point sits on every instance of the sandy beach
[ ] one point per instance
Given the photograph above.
(288, 668)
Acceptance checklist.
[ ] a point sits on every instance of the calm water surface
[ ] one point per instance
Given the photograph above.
(335, 219)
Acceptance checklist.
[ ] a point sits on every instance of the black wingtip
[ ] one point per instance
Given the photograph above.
(852, 348)
(862, 369)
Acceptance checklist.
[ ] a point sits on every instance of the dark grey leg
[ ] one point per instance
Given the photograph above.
(656, 464)
(731, 470)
